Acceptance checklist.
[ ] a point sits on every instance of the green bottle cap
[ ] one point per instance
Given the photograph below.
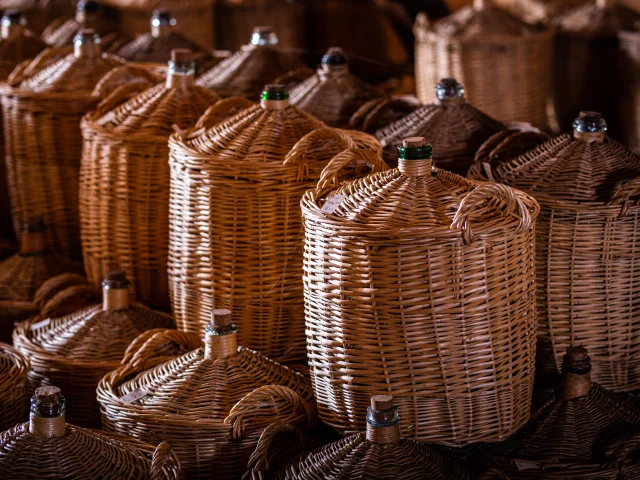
(275, 92)
(414, 148)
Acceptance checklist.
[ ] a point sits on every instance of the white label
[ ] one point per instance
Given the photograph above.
(524, 465)
(134, 395)
(40, 324)
(332, 203)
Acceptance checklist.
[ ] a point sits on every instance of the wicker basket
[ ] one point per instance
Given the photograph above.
(538, 11)
(245, 72)
(380, 454)
(507, 144)
(39, 13)
(16, 45)
(252, 170)
(578, 432)
(89, 14)
(41, 112)
(456, 127)
(13, 378)
(75, 351)
(380, 112)
(194, 18)
(630, 92)
(211, 403)
(333, 94)
(587, 284)
(48, 447)
(504, 64)
(587, 66)
(125, 219)
(23, 273)
(421, 283)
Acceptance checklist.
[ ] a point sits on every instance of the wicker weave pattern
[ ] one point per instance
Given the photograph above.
(630, 122)
(13, 378)
(380, 112)
(411, 302)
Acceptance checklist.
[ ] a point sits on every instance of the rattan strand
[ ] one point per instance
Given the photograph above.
(13, 381)
(83, 454)
(586, 242)
(630, 61)
(429, 259)
(251, 170)
(43, 145)
(212, 409)
(505, 66)
(124, 217)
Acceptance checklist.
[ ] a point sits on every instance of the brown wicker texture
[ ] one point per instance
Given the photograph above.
(48, 447)
(245, 72)
(421, 283)
(251, 170)
(333, 94)
(7, 247)
(538, 11)
(587, 63)
(88, 14)
(630, 92)
(212, 403)
(65, 294)
(505, 65)
(75, 351)
(39, 13)
(380, 112)
(41, 113)
(507, 144)
(13, 379)
(586, 241)
(16, 45)
(124, 180)
(455, 128)
(579, 431)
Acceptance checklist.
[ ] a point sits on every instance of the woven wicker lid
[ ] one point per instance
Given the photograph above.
(586, 166)
(207, 382)
(455, 128)
(13, 368)
(265, 132)
(99, 333)
(176, 101)
(47, 447)
(88, 14)
(597, 18)
(76, 73)
(17, 43)
(245, 72)
(416, 199)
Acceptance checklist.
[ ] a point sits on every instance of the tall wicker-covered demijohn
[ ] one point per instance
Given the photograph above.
(420, 282)
(41, 112)
(588, 283)
(504, 64)
(125, 219)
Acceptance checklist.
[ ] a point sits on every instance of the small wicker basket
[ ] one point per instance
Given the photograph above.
(252, 170)
(630, 92)
(421, 283)
(16, 45)
(380, 454)
(586, 242)
(456, 127)
(13, 379)
(124, 221)
(41, 110)
(75, 351)
(212, 403)
(48, 447)
(333, 94)
(578, 432)
(504, 64)
(245, 72)
(89, 14)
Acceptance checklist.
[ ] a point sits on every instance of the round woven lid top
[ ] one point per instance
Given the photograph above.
(20, 43)
(579, 167)
(482, 19)
(598, 18)
(13, 367)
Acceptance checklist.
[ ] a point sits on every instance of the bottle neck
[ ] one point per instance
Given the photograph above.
(33, 243)
(115, 299)
(11, 30)
(47, 427)
(382, 435)
(589, 137)
(575, 385)
(86, 50)
(274, 104)
(161, 30)
(415, 168)
(177, 79)
(220, 346)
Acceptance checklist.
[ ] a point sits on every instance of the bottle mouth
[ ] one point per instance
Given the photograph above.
(275, 92)
(48, 408)
(162, 17)
(590, 122)
(414, 148)
(448, 88)
(334, 57)
(181, 62)
(262, 36)
(220, 323)
(13, 18)
(116, 279)
(576, 361)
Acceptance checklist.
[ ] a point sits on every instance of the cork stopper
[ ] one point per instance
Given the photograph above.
(449, 88)
(116, 279)
(263, 35)
(115, 291)
(47, 395)
(414, 142)
(47, 417)
(87, 43)
(589, 127)
(576, 360)
(576, 374)
(381, 402)
(383, 420)
(34, 241)
(221, 317)
(220, 335)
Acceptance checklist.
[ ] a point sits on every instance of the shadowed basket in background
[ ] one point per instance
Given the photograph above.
(39, 13)
(88, 14)
(504, 64)
(587, 246)
(13, 379)
(420, 283)
(630, 93)
(538, 11)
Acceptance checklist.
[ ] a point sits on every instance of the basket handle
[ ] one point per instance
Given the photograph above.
(287, 404)
(67, 300)
(352, 157)
(487, 191)
(45, 57)
(294, 77)
(125, 75)
(266, 453)
(142, 348)
(624, 192)
(220, 111)
(163, 459)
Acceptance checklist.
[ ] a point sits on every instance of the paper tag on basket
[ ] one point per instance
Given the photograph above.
(332, 203)
(524, 465)
(40, 324)
(134, 395)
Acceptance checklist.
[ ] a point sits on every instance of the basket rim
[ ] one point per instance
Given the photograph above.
(486, 40)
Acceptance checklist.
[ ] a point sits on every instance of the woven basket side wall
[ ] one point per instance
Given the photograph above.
(630, 98)
(13, 378)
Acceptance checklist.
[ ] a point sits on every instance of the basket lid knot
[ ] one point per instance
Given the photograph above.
(449, 88)
(263, 35)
